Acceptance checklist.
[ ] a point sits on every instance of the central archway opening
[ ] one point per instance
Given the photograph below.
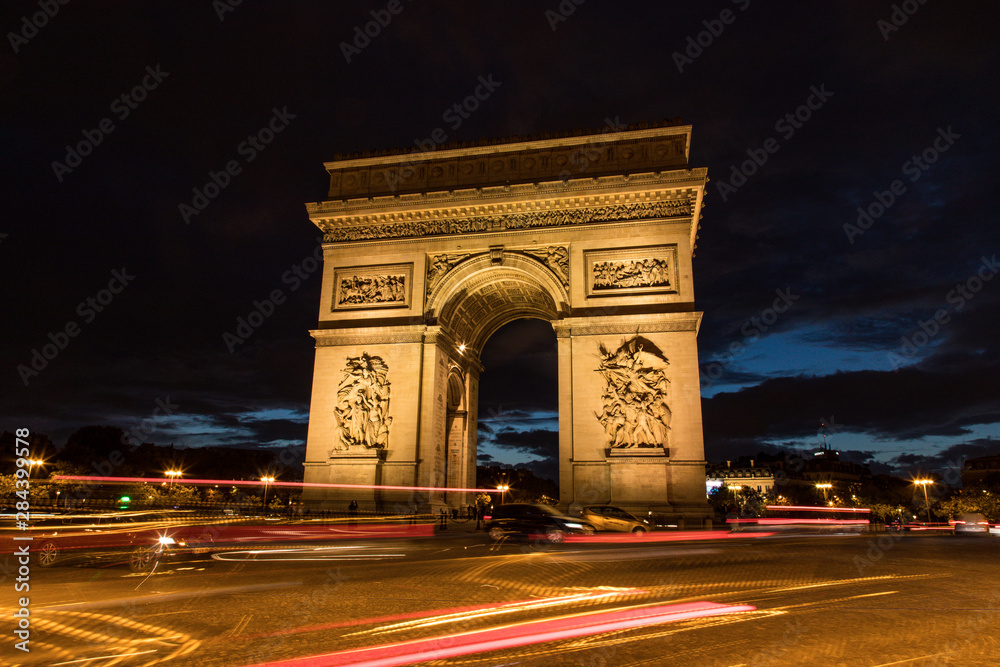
(518, 425)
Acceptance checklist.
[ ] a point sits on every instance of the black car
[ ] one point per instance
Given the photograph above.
(140, 539)
(530, 520)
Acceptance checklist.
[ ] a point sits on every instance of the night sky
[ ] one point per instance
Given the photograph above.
(846, 266)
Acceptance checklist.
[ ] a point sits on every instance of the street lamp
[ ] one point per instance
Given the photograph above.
(736, 488)
(826, 486)
(927, 504)
(172, 474)
(32, 463)
(502, 488)
(266, 480)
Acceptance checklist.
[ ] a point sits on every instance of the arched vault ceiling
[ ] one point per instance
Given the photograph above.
(485, 303)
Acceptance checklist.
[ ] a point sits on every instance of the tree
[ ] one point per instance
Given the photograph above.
(883, 512)
(970, 501)
(92, 445)
(8, 485)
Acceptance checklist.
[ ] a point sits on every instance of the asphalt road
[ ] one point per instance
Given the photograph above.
(832, 600)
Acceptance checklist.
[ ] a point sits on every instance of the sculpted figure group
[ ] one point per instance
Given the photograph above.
(649, 272)
(372, 289)
(635, 411)
(363, 404)
(482, 223)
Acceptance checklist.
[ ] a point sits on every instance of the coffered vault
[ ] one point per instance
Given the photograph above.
(427, 254)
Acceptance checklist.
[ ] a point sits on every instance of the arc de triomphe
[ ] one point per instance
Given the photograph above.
(426, 254)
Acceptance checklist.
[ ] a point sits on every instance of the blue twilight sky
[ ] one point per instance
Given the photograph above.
(851, 150)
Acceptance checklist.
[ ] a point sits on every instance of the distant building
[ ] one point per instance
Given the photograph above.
(794, 474)
(981, 472)
(758, 478)
(825, 466)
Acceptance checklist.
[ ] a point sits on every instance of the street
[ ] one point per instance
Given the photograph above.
(457, 600)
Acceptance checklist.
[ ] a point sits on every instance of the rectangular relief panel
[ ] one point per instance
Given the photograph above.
(385, 286)
(628, 271)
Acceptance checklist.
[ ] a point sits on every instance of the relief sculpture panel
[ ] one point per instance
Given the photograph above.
(648, 272)
(635, 411)
(362, 408)
(372, 287)
(439, 265)
(554, 257)
(631, 271)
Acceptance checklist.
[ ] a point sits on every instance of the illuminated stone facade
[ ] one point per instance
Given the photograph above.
(428, 254)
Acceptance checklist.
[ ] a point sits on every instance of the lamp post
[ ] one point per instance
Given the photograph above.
(922, 483)
(32, 463)
(266, 480)
(736, 488)
(502, 488)
(172, 474)
(826, 486)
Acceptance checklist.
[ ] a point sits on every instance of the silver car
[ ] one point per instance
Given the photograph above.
(609, 517)
(971, 523)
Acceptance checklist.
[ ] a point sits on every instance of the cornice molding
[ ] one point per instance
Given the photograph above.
(659, 184)
(466, 220)
(636, 324)
(376, 336)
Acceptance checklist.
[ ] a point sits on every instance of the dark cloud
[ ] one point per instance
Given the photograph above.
(782, 230)
(911, 403)
(949, 458)
(534, 442)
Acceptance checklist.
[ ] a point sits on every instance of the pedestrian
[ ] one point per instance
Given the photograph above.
(352, 510)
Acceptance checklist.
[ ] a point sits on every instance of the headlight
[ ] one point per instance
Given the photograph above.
(166, 540)
(569, 524)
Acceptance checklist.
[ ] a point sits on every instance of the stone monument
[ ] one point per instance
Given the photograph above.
(426, 254)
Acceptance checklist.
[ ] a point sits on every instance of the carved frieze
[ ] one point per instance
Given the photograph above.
(634, 411)
(372, 286)
(555, 258)
(631, 270)
(362, 409)
(333, 233)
